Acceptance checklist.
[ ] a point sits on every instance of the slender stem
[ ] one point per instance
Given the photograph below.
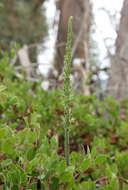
(67, 89)
(67, 146)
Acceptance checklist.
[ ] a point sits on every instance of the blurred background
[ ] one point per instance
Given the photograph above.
(37, 29)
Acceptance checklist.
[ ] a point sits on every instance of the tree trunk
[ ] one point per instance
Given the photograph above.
(118, 83)
(81, 12)
(38, 4)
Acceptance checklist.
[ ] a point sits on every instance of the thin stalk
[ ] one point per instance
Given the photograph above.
(67, 89)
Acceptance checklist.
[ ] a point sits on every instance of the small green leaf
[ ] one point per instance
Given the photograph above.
(8, 146)
(85, 165)
(4, 132)
(33, 163)
(2, 88)
(67, 176)
(54, 183)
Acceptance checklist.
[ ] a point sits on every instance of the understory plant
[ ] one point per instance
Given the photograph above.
(30, 136)
(67, 95)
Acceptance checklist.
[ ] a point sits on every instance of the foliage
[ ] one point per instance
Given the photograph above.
(19, 22)
(32, 138)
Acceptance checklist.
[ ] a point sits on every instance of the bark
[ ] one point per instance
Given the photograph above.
(81, 12)
(38, 4)
(24, 60)
(118, 83)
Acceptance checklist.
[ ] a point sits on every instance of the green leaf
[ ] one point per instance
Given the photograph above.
(89, 185)
(31, 153)
(54, 183)
(6, 163)
(85, 165)
(101, 159)
(8, 146)
(33, 163)
(4, 132)
(67, 176)
(2, 88)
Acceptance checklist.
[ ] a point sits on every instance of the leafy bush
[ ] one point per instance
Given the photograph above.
(32, 138)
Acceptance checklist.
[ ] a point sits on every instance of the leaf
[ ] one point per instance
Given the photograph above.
(67, 176)
(85, 165)
(31, 153)
(2, 88)
(4, 132)
(101, 159)
(89, 185)
(33, 163)
(8, 146)
(54, 183)
(6, 163)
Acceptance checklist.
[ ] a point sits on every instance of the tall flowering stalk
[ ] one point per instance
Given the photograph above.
(67, 89)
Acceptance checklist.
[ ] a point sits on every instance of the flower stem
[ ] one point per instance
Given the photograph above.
(67, 89)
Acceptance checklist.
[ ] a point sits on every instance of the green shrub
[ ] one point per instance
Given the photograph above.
(32, 138)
